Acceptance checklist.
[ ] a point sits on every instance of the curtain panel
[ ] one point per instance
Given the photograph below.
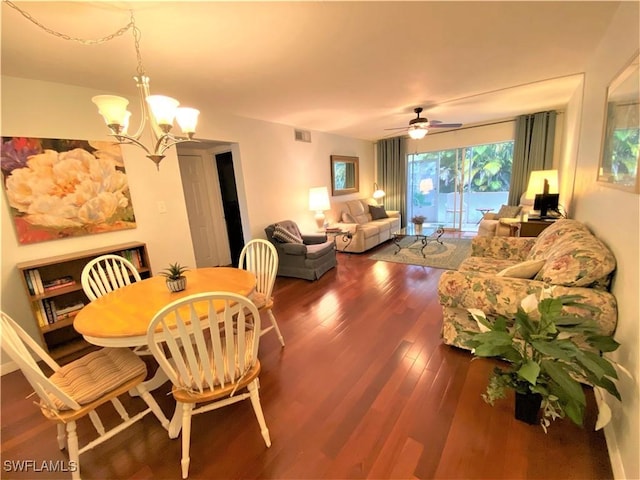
(532, 150)
(392, 174)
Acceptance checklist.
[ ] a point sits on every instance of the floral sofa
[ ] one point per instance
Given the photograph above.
(369, 224)
(501, 271)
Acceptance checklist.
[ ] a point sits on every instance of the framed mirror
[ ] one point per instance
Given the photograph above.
(344, 175)
(621, 140)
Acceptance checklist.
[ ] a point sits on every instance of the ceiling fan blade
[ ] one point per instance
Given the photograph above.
(444, 125)
(396, 128)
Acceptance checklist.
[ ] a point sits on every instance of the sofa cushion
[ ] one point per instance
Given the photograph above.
(377, 212)
(285, 236)
(348, 218)
(574, 256)
(526, 269)
(508, 211)
(318, 250)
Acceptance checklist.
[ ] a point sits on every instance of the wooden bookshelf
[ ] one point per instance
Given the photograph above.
(56, 329)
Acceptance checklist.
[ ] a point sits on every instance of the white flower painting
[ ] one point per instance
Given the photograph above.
(63, 188)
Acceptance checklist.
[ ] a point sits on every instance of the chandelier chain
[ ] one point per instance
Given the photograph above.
(83, 41)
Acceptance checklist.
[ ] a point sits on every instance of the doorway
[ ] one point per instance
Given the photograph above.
(230, 204)
(212, 203)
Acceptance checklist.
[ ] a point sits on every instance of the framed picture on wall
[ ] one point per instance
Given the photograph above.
(59, 188)
(621, 139)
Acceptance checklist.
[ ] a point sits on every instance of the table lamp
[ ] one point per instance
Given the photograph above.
(319, 202)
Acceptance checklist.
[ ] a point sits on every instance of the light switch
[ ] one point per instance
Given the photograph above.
(162, 207)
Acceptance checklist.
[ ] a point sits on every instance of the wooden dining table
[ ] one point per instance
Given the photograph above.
(120, 318)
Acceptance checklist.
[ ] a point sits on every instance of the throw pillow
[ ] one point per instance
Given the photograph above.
(348, 218)
(285, 236)
(377, 212)
(527, 269)
(508, 211)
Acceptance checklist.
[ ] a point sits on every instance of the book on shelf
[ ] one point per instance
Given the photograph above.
(38, 314)
(27, 277)
(38, 281)
(58, 281)
(59, 286)
(70, 308)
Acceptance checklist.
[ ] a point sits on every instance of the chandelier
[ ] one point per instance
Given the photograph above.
(159, 111)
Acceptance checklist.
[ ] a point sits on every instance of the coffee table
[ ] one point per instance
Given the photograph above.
(425, 233)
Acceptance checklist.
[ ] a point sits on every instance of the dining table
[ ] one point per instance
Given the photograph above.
(120, 318)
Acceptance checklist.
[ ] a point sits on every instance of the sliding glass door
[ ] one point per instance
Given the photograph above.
(455, 187)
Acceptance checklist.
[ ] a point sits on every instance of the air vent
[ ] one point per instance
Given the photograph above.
(303, 136)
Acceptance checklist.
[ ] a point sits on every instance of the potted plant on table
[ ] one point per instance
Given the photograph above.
(418, 220)
(548, 352)
(176, 281)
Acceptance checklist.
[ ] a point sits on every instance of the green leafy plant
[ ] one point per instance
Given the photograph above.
(418, 219)
(548, 352)
(174, 271)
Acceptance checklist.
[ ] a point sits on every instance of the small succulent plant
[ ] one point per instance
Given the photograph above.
(174, 271)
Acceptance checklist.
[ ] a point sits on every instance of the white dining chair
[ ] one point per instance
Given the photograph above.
(107, 273)
(207, 344)
(76, 389)
(261, 258)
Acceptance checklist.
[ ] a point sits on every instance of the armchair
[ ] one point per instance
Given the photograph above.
(307, 256)
(497, 224)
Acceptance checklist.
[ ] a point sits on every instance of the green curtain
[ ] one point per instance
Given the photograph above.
(532, 150)
(392, 174)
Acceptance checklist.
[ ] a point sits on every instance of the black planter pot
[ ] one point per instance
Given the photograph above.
(528, 407)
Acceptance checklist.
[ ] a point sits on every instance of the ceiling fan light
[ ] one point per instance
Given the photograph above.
(417, 132)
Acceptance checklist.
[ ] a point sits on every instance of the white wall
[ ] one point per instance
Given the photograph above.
(273, 173)
(614, 216)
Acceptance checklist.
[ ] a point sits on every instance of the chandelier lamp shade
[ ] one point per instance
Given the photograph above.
(319, 202)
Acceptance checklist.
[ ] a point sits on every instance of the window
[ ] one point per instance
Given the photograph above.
(455, 187)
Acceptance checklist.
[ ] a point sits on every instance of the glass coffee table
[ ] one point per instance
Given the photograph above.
(425, 233)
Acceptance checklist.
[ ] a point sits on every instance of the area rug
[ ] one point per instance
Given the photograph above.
(448, 255)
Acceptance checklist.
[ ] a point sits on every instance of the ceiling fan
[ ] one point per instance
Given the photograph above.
(419, 126)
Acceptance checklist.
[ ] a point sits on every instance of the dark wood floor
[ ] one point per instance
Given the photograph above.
(363, 389)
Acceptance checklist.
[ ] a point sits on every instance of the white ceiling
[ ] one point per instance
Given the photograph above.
(350, 68)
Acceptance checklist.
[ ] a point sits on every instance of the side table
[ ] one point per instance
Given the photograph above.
(482, 211)
(346, 235)
(532, 228)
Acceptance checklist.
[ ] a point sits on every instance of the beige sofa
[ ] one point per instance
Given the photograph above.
(355, 216)
(565, 256)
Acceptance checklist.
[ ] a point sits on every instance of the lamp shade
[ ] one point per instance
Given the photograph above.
(319, 199)
(378, 193)
(537, 179)
(112, 108)
(163, 108)
(417, 132)
(187, 118)
(426, 185)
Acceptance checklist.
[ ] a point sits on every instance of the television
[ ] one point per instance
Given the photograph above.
(545, 203)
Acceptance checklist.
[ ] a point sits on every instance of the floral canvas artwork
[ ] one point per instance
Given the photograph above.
(65, 188)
